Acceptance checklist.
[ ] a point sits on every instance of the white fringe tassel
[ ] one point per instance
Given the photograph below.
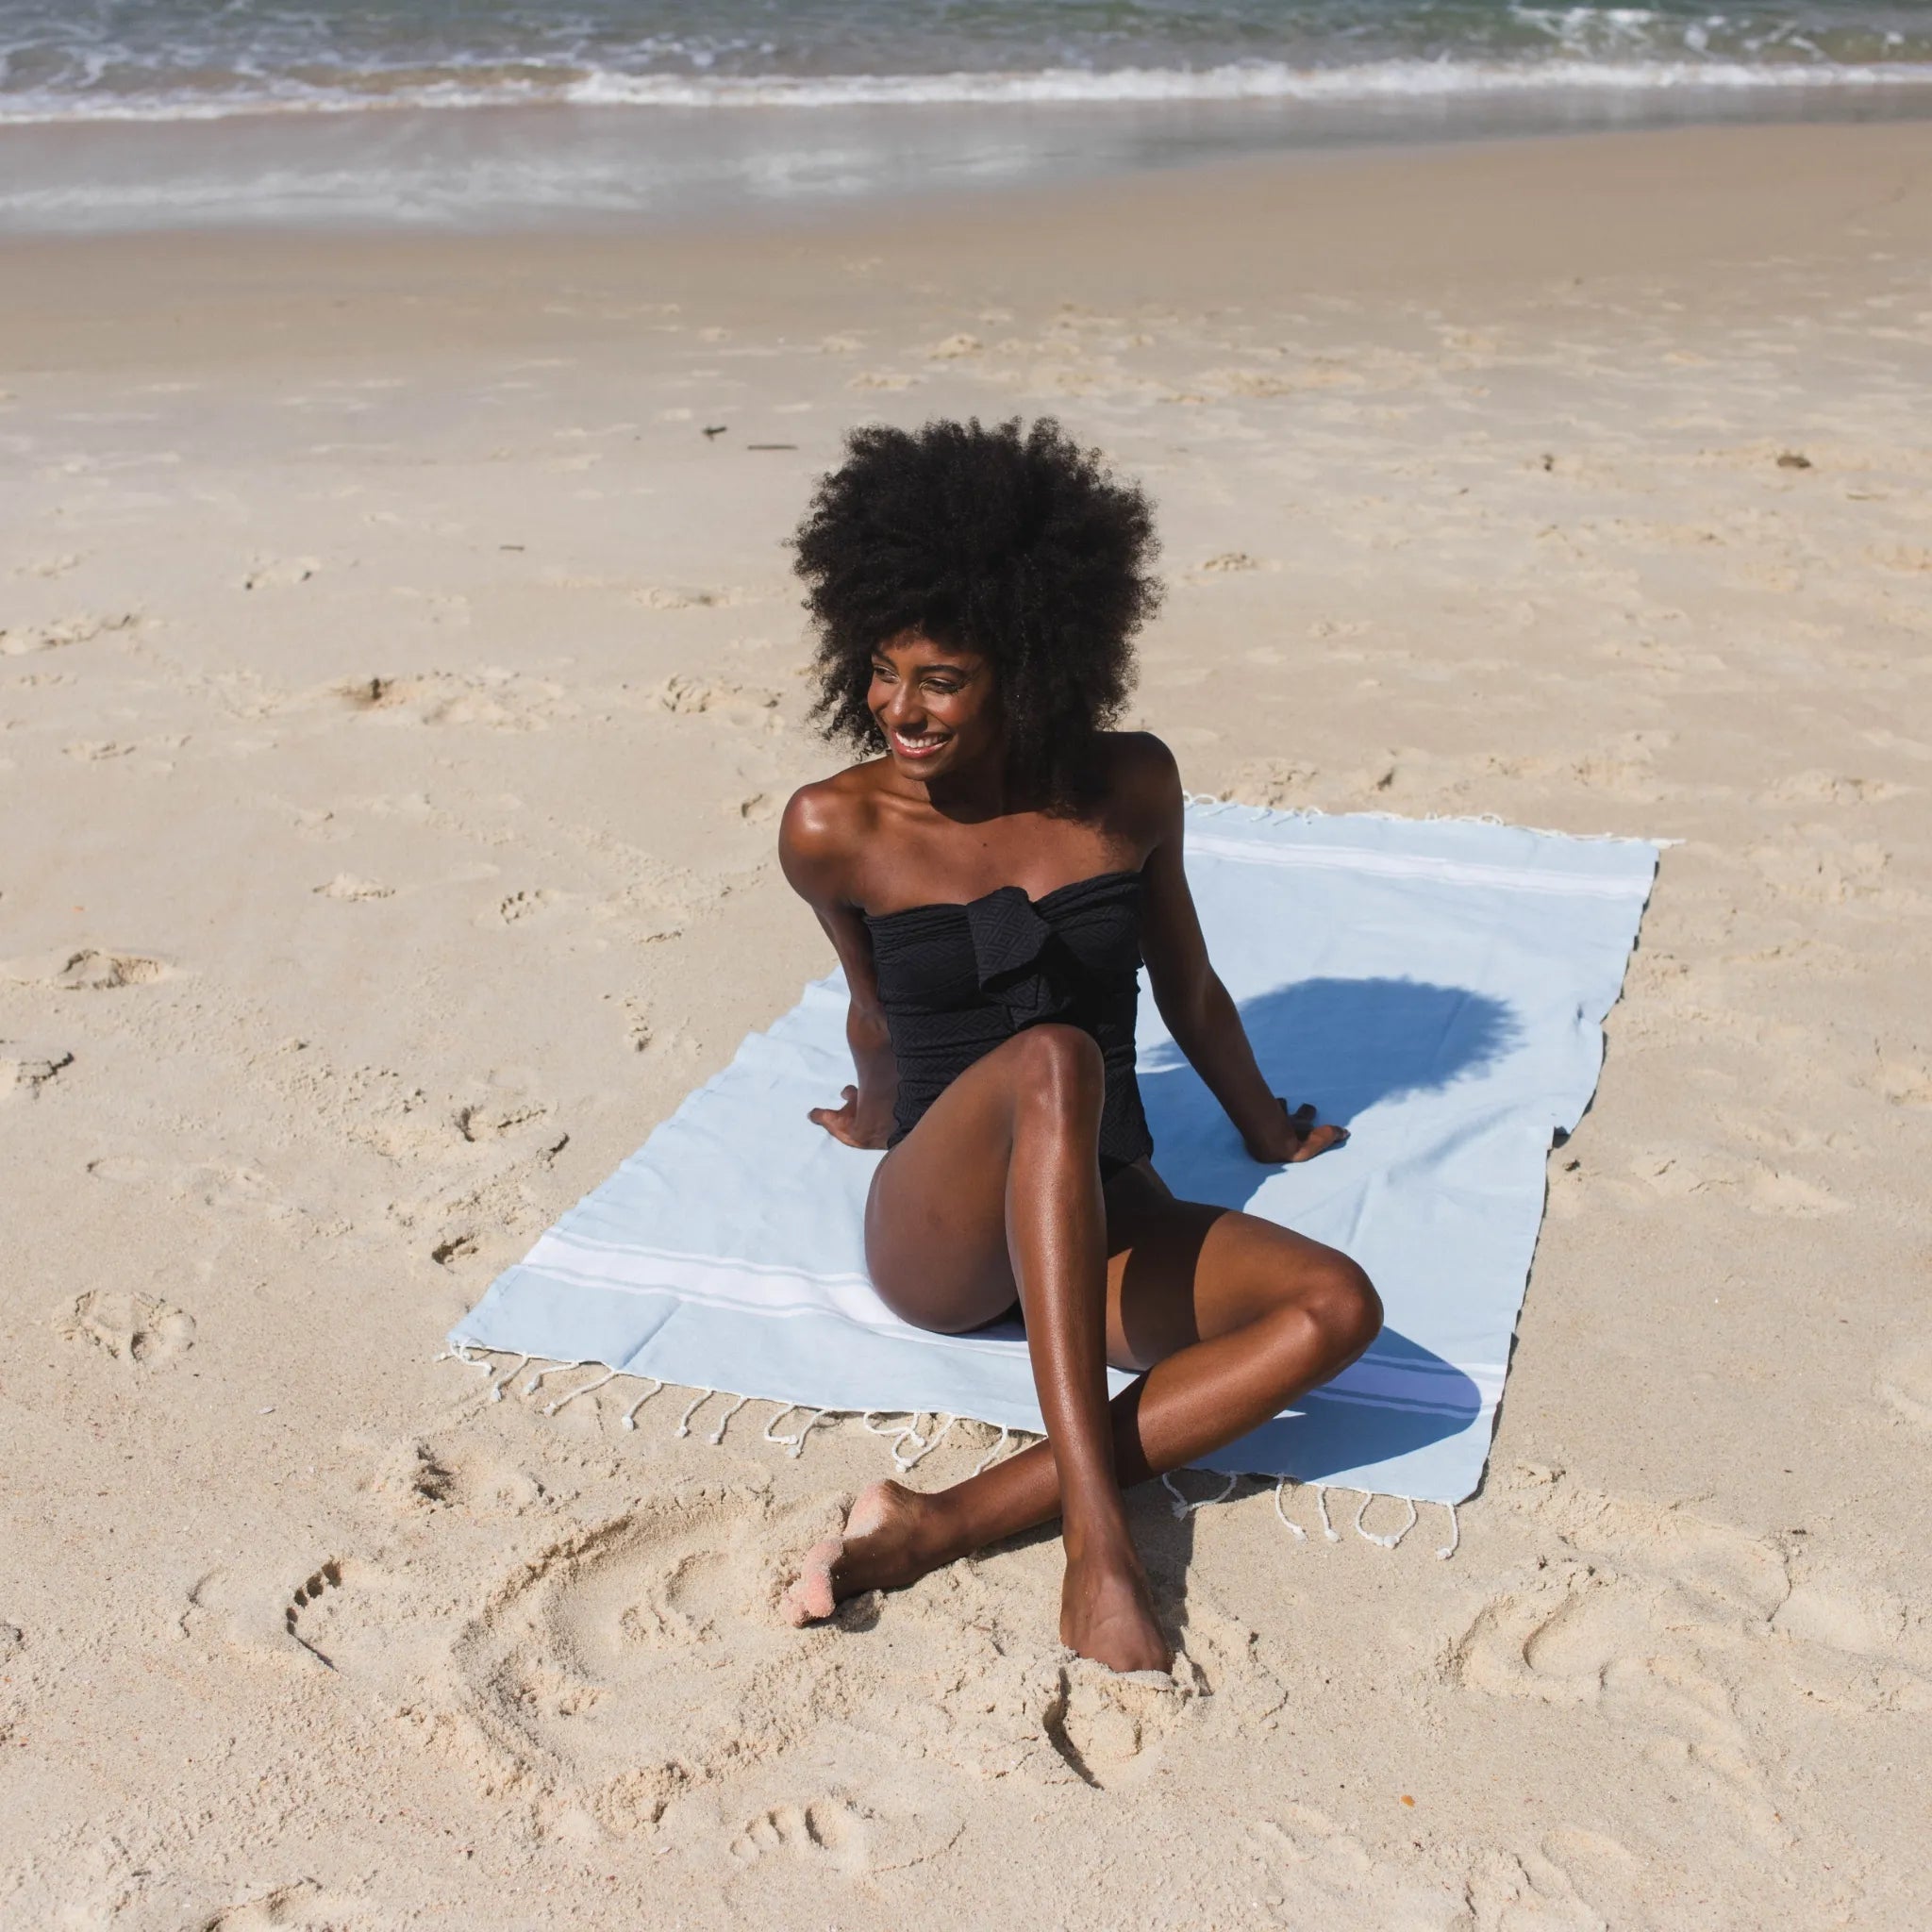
(630, 1415)
(794, 1446)
(910, 1444)
(717, 1435)
(921, 1445)
(1294, 1529)
(1328, 1529)
(908, 1431)
(588, 1388)
(1182, 1509)
(1386, 1543)
(460, 1352)
(1367, 1534)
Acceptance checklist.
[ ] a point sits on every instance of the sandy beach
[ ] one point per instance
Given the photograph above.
(399, 680)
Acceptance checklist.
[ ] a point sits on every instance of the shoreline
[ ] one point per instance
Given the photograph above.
(1505, 216)
(515, 170)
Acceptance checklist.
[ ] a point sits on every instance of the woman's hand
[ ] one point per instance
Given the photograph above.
(843, 1123)
(1296, 1137)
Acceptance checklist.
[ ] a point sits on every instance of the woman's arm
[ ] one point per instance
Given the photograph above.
(814, 839)
(1199, 1012)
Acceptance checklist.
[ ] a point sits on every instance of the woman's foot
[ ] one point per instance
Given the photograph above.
(888, 1542)
(1107, 1612)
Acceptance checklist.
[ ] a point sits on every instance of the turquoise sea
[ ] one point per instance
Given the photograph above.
(139, 113)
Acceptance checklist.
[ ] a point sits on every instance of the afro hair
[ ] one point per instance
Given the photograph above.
(1015, 543)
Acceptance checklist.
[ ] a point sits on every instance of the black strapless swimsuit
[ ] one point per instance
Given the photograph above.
(956, 980)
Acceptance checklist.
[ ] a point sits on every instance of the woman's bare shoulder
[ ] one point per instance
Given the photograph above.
(1143, 782)
(824, 825)
(1138, 759)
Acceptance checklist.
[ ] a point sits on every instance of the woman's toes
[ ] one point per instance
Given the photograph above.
(810, 1599)
(879, 1549)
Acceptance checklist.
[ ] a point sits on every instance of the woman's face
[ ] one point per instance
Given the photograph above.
(936, 703)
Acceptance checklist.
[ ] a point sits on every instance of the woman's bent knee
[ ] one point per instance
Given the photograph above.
(1346, 1307)
(1057, 1064)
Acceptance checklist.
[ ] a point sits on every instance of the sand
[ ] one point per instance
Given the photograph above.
(396, 690)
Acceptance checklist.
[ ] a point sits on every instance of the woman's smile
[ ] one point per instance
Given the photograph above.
(936, 705)
(919, 745)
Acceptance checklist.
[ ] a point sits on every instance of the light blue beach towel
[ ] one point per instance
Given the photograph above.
(1439, 987)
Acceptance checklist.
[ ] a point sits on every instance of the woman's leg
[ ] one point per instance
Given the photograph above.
(1236, 1316)
(1233, 1316)
(997, 1193)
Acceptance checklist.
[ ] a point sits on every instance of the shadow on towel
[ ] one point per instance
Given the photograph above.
(1399, 1397)
(1345, 1045)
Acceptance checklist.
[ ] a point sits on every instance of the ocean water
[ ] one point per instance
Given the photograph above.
(481, 110)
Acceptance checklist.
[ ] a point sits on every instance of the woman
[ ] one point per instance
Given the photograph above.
(992, 882)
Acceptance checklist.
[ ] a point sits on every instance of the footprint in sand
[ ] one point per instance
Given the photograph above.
(1104, 1726)
(351, 885)
(1232, 563)
(841, 1832)
(1817, 866)
(135, 1328)
(645, 1647)
(669, 597)
(504, 1119)
(1310, 1870)
(83, 971)
(696, 697)
(1903, 1381)
(1637, 1624)
(303, 1906)
(1738, 1573)
(519, 908)
(1583, 1635)
(25, 1073)
(415, 1478)
(1905, 1079)
(1273, 782)
(1818, 786)
(642, 1660)
(279, 573)
(494, 699)
(1843, 1612)
(24, 640)
(825, 1829)
(367, 1617)
(326, 1575)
